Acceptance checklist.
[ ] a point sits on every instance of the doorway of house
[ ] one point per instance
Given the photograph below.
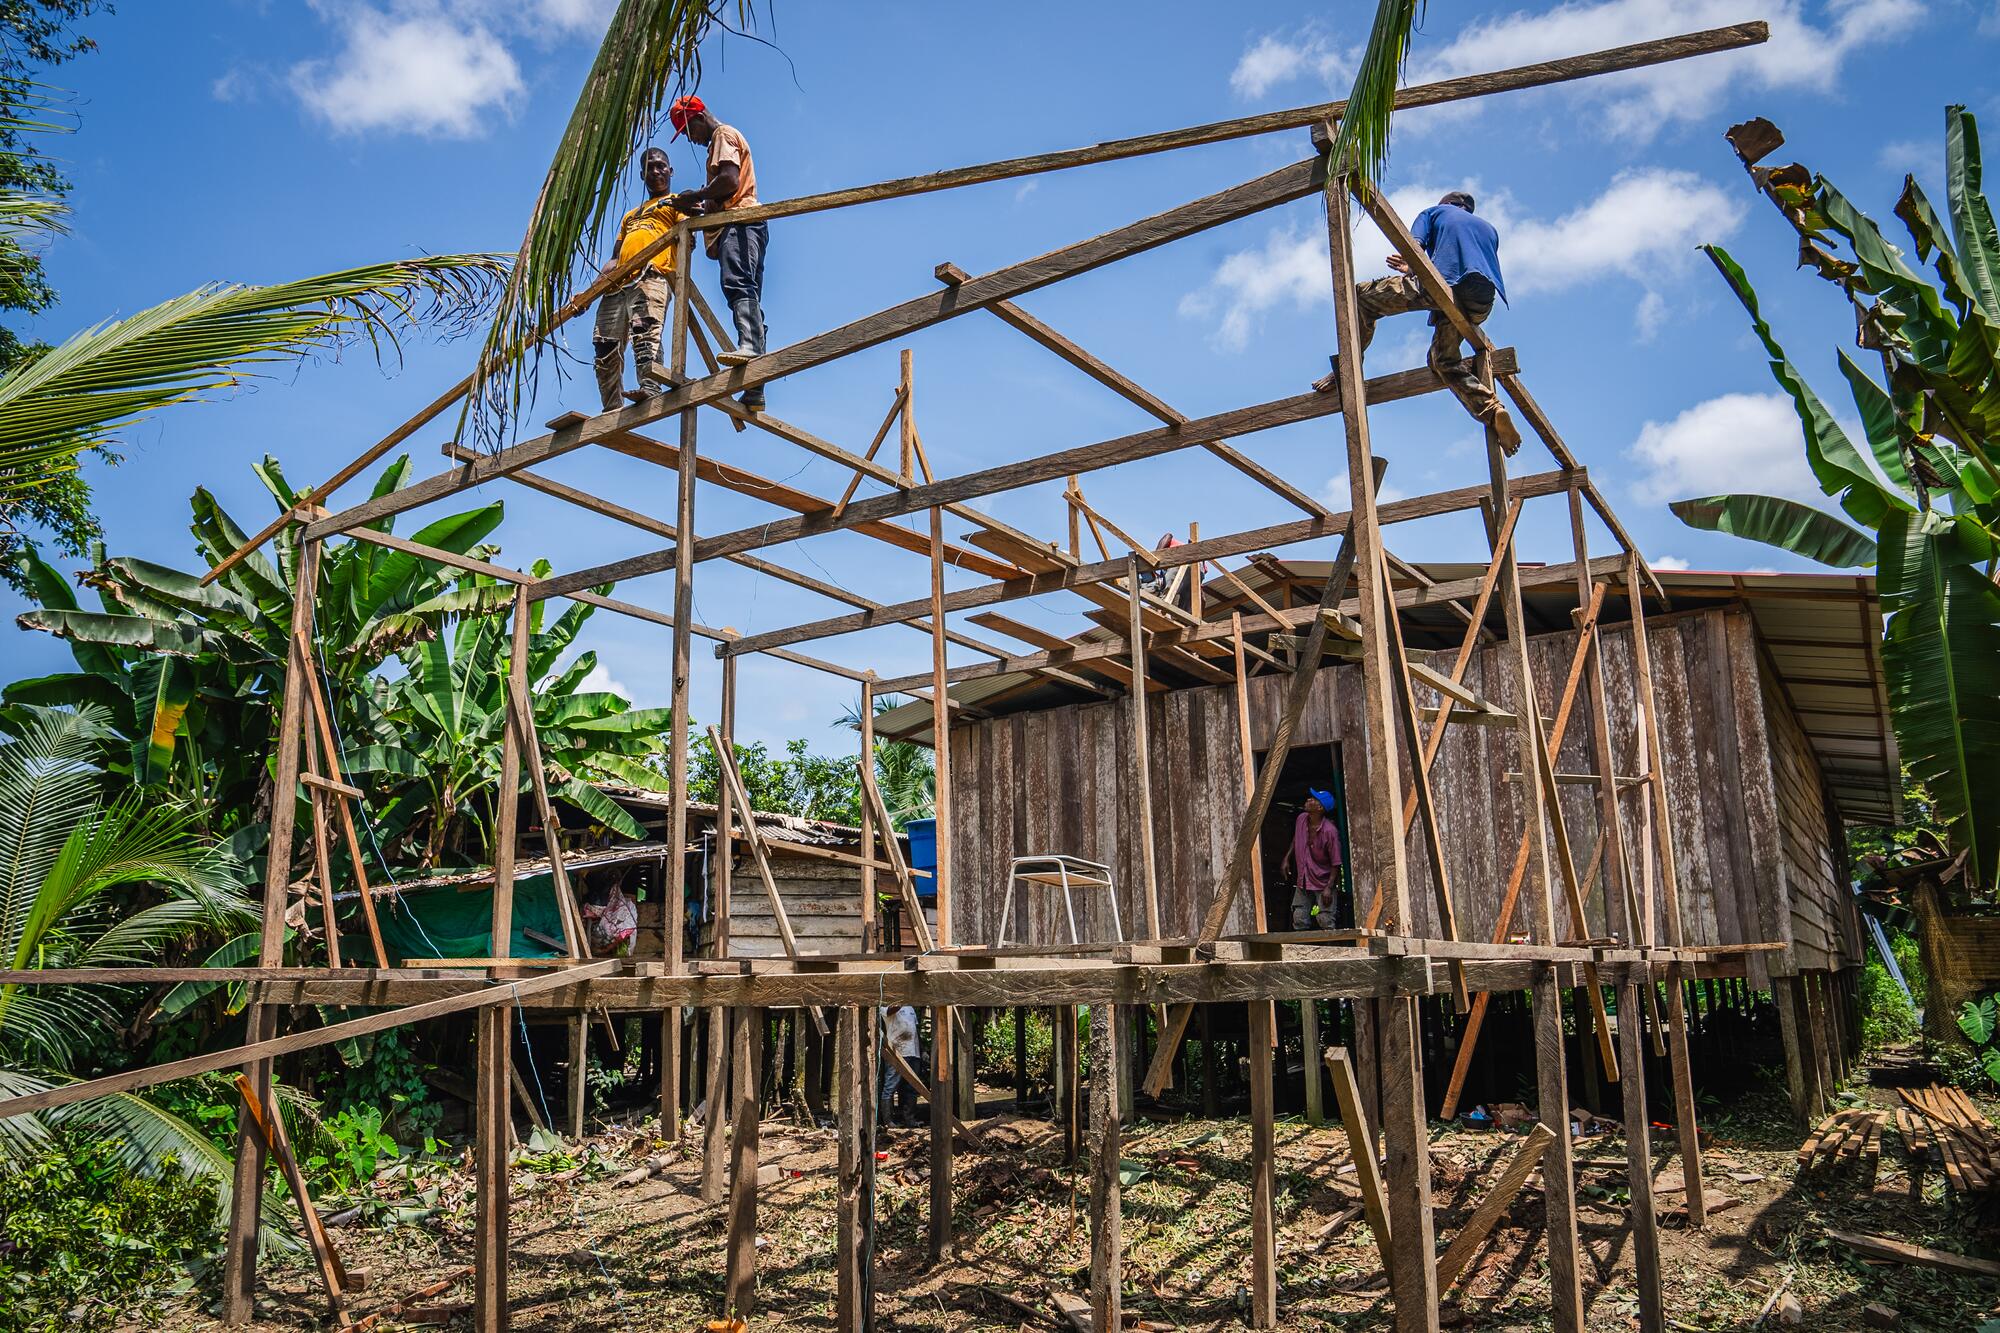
(1307, 768)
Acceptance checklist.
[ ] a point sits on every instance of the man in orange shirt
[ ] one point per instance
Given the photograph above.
(738, 248)
(634, 313)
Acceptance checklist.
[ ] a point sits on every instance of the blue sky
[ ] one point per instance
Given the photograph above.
(255, 141)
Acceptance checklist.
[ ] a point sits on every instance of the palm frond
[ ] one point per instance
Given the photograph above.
(651, 49)
(209, 340)
(46, 782)
(1361, 146)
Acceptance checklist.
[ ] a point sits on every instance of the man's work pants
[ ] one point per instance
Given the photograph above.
(633, 313)
(1400, 293)
(741, 257)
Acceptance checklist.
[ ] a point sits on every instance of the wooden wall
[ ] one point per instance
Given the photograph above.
(822, 901)
(1060, 780)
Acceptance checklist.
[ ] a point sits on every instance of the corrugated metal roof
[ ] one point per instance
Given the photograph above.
(1821, 633)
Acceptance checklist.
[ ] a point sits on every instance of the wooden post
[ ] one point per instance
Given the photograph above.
(725, 798)
(1142, 762)
(1309, 1038)
(579, 1058)
(1411, 1254)
(1263, 1173)
(261, 1023)
(675, 913)
(907, 424)
(1687, 1132)
(1249, 767)
(850, 1227)
(1069, 1068)
(941, 1017)
(867, 819)
(1360, 1143)
(1639, 1163)
(1106, 1252)
(748, 1058)
(494, 1120)
(715, 1085)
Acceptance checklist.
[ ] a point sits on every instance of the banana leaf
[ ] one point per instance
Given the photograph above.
(1941, 663)
(1971, 218)
(600, 808)
(1785, 524)
(175, 692)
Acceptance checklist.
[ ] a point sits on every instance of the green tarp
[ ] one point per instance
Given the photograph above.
(457, 922)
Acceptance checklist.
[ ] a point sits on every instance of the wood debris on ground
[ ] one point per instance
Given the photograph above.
(1944, 1119)
(1853, 1135)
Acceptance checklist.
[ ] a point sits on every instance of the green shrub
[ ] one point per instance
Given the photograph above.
(82, 1240)
(1887, 1019)
(996, 1045)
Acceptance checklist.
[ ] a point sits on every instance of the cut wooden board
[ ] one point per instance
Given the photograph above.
(1901, 1252)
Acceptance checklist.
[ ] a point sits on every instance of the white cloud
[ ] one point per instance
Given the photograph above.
(1022, 191)
(1650, 314)
(416, 68)
(581, 16)
(1338, 493)
(599, 678)
(1644, 224)
(1737, 442)
(1800, 55)
(1275, 59)
(1668, 562)
(234, 86)
(1908, 156)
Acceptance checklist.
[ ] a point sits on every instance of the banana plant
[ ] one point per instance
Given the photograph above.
(190, 672)
(447, 710)
(1922, 504)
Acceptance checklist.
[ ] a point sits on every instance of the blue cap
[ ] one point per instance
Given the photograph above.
(1325, 798)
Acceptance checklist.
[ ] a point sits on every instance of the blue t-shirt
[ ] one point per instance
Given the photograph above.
(1459, 243)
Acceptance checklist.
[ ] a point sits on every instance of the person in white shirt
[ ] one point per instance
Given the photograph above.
(899, 1099)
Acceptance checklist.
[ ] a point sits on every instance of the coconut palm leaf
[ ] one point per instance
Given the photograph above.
(209, 340)
(1362, 145)
(143, 1138)
(651, 48)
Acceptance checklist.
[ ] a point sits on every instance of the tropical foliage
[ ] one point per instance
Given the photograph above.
(86, 881)
(1361, 145)
(651, 48)
(1923, 504)
(412, 656)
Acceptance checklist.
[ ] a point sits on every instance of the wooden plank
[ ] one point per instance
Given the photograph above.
(323, 721)
(1106, 1245)
(941, 736)
(912, 905)
(851, 1228)
(507, 803)
(1902, 1252)
(131, 1080)
(1477, 1227)
(492, 1125)
(1360, 1142)
(311, 778)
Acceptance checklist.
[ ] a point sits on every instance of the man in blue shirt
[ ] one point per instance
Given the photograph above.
(1466, 250)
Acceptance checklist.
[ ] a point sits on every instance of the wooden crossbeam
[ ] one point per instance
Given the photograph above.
(1360, 1143)
(271, 1129)
(1466, 1243)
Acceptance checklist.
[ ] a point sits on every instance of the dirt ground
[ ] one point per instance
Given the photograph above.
(589, 1254)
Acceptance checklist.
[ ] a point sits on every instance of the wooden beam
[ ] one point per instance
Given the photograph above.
(1263, 1171)
(879, 811)
(1004, 477)
(747, 1067)
(131, 1080)
(271, 1129)
(1639, 1166)
(493, 1126)
(1477, 1227)
(1278, 187)
(1361, 1146)
(1209, 549)
(1013, 315)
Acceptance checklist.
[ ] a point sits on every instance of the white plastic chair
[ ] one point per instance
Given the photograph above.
(1055, 870)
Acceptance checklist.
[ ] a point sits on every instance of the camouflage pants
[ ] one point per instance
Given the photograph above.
(1399, 293)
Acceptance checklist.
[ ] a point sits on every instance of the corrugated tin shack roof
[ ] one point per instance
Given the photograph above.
(1821, 635)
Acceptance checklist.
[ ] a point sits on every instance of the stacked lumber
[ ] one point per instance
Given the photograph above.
(1845, 1136)
(1945, 1119)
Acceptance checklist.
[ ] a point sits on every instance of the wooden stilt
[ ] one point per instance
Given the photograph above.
(747, 1055)
(1687, 1130)
(1263, 1173)
(489, 1233)
(721, 1102)
(1309, 1038)
(867, 821)
(941, 1134)
(675, 916)
(579, 1056)
(1069, 1069)
(261, 1023)
(1142, 763)
(1211, 1095)
(1639, 1165)
(1106, 1250)
(1020, 1059)
(849, 1251)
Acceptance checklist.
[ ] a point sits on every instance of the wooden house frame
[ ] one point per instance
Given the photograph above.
(1416, 943)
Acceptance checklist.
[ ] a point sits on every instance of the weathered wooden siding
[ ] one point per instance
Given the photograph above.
(1825, 933)
(1061, 780)
(822, 901)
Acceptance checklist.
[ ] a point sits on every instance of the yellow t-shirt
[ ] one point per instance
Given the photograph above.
(644, 225)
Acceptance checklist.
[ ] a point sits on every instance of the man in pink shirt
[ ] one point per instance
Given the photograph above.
(1316, 857)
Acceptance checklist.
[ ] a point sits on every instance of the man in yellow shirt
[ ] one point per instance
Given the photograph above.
(738, 249)
(634, 313)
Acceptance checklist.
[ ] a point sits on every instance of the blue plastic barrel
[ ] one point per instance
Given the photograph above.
(923, 853)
